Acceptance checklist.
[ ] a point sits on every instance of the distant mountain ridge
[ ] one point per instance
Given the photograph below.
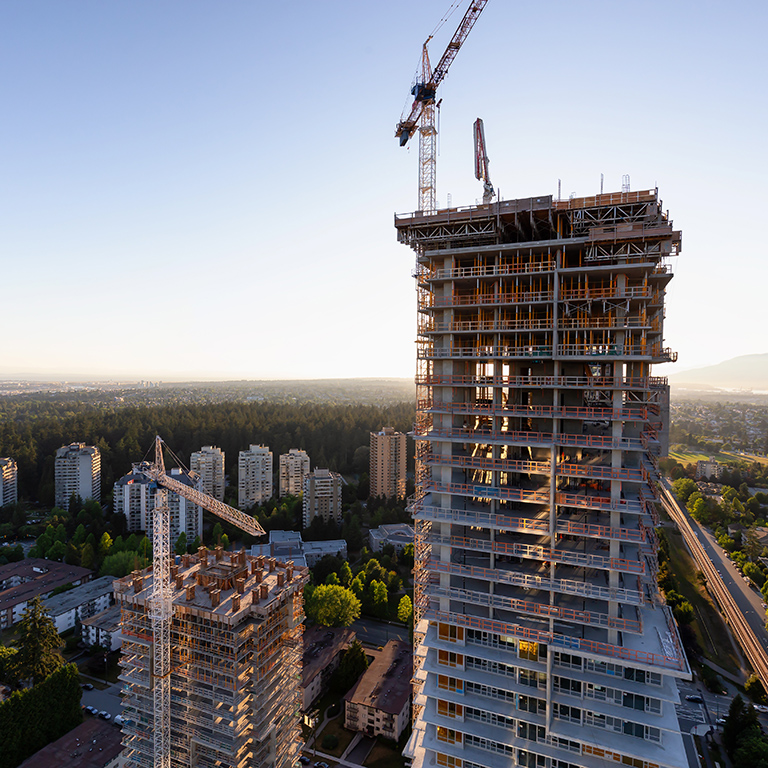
(744, 372)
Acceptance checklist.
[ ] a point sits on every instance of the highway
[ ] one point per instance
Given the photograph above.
(740, 604)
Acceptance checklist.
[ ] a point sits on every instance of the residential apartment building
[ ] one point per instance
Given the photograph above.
(541, 637)
(103, 629)
(77, 470)
(380, 702)
(322, 496)
(294, 467)
(236, 649)
(66, 608)
(254, 476)
(208, 464)
(387, 463)
(34, 577)
(8, 482)
(134, 497)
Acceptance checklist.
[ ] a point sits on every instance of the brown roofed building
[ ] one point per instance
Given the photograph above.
(380, 703)
(93, 744)
(322, 654)
(35, 577)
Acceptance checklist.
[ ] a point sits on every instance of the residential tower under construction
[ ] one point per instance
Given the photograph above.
(236, 648)
(541, 638)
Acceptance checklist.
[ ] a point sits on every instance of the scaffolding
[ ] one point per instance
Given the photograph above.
(235, 668)
(538, 431)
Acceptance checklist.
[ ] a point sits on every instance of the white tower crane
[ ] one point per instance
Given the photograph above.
(422, 113)
(162, 600)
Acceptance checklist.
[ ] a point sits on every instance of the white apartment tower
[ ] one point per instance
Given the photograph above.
(208, 464)
(77, 470)
(294, 467)
(322, 496)
(540, 635)
(254, 476)
(387, 463)
(134, 497)
(8, 482)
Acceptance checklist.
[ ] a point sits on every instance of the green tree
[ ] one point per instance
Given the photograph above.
(333, 606)
(225, 541)
(754, 572)
(754, 689)
(345, 574)
(740, 718)
(8, 667)
(683, 488)
(218, 532)
(105, 545)
(38, 643)
(379, 598)
(88, 556)
(332, 578)
(353, 663)
(57, 551)
(181, 544)
(405, 609)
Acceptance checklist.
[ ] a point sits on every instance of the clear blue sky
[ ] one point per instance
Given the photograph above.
(206, 189)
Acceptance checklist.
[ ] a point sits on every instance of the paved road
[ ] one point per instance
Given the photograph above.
(748, 600)
(108, 699)
(373, 632)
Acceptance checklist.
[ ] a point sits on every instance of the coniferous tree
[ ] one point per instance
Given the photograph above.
(38, 644)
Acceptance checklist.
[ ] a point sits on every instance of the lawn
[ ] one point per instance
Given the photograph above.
(709, 627)
(692, 458)
(384, 756)
(335, 728)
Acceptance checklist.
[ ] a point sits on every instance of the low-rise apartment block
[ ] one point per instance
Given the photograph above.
(323, 648)
(81, 602)
(103, 629)
(34, 577)
(399, 535)
(380, 702)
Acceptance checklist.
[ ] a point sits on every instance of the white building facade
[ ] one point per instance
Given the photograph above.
(8, 482)
(322, 496)
(77, 470)
(208, 463)
(134, 497)
(254, 476)
(294, 467)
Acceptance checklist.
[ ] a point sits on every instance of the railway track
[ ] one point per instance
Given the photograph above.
(744, 634)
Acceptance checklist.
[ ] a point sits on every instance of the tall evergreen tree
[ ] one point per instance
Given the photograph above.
(38, 644)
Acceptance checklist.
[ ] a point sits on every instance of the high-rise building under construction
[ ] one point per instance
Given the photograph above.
(541, 636)
(236, 649)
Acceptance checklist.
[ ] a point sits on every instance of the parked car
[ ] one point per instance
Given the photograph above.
(304, 760)
(92, 710)
(694, 697)
(761, 708)
(87, 686)
(104, 715)
(720, 721)
(117, 720)
(322, 764)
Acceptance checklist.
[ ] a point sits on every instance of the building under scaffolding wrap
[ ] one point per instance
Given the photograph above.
(236, 643)
(541, 637)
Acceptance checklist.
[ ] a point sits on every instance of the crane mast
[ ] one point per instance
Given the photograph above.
(422, 114)
(161, 601)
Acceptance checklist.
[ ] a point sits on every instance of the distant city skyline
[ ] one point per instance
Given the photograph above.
(206, 193)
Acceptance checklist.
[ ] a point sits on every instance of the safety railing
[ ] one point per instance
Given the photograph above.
(540, 553)
(538, 526)
(536, 609)
(558, 640)
(486, 270)
(582, 589)
(564, 382)
(488, 436)
(536, 411)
